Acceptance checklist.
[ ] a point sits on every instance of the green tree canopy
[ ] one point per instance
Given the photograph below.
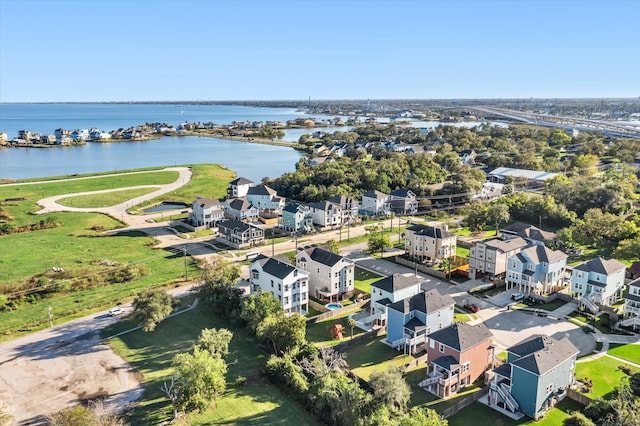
(391, 389)
(286, 333)
(151, 306)
(201, 377)
(215, 341)
(257, 307)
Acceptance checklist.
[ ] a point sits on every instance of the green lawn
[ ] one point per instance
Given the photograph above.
(258, 402)
(603, 384)
(629, 352)
(363, 279)
(423, 398)
(463, 316)
(368, 357)
(106, 199)
(462, 251)
(582, 318)
(320, 332)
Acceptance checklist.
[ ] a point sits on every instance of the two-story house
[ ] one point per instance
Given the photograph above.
(425, 243)
(239, 234)
(389, 290)
(296, 218)
(239, 187)
(349, 205)
(598, 282)
(411, 320)
(375, 203)
(266, 200)
(537, 269)
(632, 306)
(240, 209)
(489, 258)
(326, 214)
(458, 356)
(403, 202)
(331, 276)
(288, 284)
(536, 376)
(530, 233)
(206, 212)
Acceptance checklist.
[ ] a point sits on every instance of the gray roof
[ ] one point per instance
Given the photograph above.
(324, 205)
(525, 230)
(430, 231)
(372, 193)
(207, 202)
(539, 353)
(261, 190)
(507, 245)
(240, 204)
(539, 253)
(234, 224)
(415, 324)
(241, 181)
(446, 362)
(635, 283)
(427, 302)
(343, 200)
(323, 256)
(402, 193)
(395, 282)
(462, 336)
(291, 208)
(601, 266)
(275, 267)
(529, 174)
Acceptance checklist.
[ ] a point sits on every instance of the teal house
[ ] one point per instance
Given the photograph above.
(536, 376)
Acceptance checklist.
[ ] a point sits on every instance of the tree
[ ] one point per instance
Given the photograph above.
(171, 390)
(498, 213)
(577, 419)
(634, 384)
(475, 216)
(423, 417)
(218, 289)
(333, 247)
(95, 414)
(286, 333)
(215, 341)
(152, 306)
(257, 307)
(390, 387)
(201, 377)
(377, 240)
(352, 324)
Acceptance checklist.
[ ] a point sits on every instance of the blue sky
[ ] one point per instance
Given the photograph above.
(137, 50)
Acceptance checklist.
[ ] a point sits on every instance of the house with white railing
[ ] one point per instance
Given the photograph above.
(632, 306)
(331, 276)
(598, 282)
(536, 270)
(389, 290)
(288, 284)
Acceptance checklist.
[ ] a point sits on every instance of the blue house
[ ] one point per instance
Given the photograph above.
(409, 321)
(536, 376)
(296, 218)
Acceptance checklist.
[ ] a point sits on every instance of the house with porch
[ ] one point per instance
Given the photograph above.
(206, 212)
(536, 270)
(296, 218)
(632, 306)
(239, 234)
(598, 282)
(349, 205)
(426, 243)
(489, 258)
(530, 233)
(331, 276)
(240, 209)
(239, 187)
(458, 356)
(388, 290)
(375, 203)
(266, 200)
(288, 284)
(411, 320)
(536, 376)
(326, 214)
(403, 202)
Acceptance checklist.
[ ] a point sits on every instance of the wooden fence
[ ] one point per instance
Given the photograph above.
(336, 312)
(463, 403)
(578, 397)
(369, 335)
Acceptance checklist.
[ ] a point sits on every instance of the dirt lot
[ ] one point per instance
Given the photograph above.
(44, 372)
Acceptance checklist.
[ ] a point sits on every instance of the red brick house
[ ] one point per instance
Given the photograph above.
(457, 356)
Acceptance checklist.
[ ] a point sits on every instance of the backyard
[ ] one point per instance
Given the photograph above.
(367, 357)
(629, 352)
(363, 279)
(603, 384)
(320, 332)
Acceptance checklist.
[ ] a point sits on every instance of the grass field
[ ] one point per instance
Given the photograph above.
(363, 279)
(106, 199)
(79, 243)
(258, 402)
(603, 384)
(629, 352)
(368, 357)
(320, 332)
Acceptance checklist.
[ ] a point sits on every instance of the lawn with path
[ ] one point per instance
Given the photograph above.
(603, 383)
(629, 352)
(105, 199)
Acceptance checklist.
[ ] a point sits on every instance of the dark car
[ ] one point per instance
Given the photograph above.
(471, 307)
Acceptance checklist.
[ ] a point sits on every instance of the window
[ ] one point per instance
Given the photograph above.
(286, 300)
(286, 287)
(549, 388)
(431, 343)
(271, 283)
(441, 347)
(513, 264)
(279, 287)
(439, 325)
(465, 366)
(255, 274)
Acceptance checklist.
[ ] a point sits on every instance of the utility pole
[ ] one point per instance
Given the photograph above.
(273, 242)
(50, 316)
(184, 252)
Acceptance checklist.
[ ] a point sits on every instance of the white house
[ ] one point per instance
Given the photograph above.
(326, 214)
(350, 207)
(375, 203)
(288, 284)
(331, 276)
(424, 242)
(632, 305)
(403, 201)
(240, 209)
(239, 187)
(489, 258)
(537, 270)
(265, 199)
(206, 212)
(389, 290)
(598, 282)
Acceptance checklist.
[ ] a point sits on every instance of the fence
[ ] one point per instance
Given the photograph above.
(369, 335)
(420, 267)
(422, 359)
(336, 312)
(464, 403)
(578, 397)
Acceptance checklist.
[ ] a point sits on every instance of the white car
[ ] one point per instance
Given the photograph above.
(517, 296)
(116, 311)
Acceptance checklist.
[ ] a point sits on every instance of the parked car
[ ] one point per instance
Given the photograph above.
(116, 311)
(471, 307)
(517, 296)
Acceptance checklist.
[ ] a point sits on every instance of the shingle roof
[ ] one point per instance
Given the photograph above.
(323, 256)
(427, 302)
(550, 353)
(207, 202)
(601, 266)
(372, 193)
(430, 231)
(506, 245)
(275, 267)
(462, 336)
(446, 362)
(261, 190)
(395, 282)
(324, 205)
(240, 204)
(529, 231)
(539, 253)
(291, 208)
(402, 193)
(415, 324)
(234, 224)
(241, 181)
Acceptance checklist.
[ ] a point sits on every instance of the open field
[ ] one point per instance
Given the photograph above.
(363, 279)
(603, 384)
(371, 356)
(257, 402)
(629, 352)
(106, 199)
(80, 247)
